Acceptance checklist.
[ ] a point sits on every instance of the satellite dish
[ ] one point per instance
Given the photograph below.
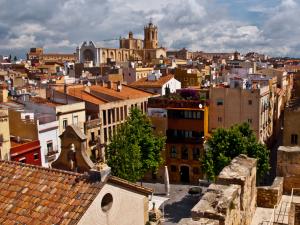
(200, 106)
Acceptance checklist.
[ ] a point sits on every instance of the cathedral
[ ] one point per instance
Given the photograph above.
(130, 49)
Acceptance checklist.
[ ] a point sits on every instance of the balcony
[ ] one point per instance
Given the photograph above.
(93, 142)
(51, 155)
(184, 140)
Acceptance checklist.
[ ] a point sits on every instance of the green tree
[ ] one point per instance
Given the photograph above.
(134, 149)
(225, 144)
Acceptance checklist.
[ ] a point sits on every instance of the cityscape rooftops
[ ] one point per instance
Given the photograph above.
(32, 194)
(100, 94)
(155, 83)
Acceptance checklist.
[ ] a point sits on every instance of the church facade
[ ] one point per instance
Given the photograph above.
(130, 49)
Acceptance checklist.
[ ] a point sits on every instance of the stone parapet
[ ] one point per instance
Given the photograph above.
(270, 196)
(220, 203)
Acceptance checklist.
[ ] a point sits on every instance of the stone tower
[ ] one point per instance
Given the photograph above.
(150, 36)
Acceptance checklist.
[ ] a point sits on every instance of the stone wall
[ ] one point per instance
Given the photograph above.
(269, 196)
(242, 171)
(288, 166)
(232, 200)
(220, 203)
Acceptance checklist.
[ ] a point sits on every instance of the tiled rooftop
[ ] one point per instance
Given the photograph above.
(93, 93)
(144, 82)
(36, 195)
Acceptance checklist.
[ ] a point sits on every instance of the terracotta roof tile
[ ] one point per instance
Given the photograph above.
(35, 195)
(144, 82)
(102, 94)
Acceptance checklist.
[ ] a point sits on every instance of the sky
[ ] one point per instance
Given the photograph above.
(271, 27)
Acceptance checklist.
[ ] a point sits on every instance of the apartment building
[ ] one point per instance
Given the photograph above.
(132, 74)
(185, 123)
(188, 77)
(107, 106)
(249, 100)
(4, 135)
(156, 83)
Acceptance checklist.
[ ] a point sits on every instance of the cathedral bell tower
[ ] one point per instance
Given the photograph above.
(150, 36)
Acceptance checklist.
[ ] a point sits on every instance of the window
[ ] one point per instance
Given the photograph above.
(22, 160)
(249, 102)
(65, 123)
(75, 120)
(184, 153)
(118, 114)
(173, 152)
(196, 153)
(36, 156)
(98, 132)
(173, 168)
(220, 102)
(104, 117)
(109, 116)
(219, 119)
(125, 111)
(106, 202)
(294, 139)
(249, 121)
(49, 146)
(92, 136)
(105, 134)
(109, 133)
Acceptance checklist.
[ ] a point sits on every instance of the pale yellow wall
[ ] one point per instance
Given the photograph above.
(235, 109)
(4, 132)
(3, 95)
(69, 112)
(23, 128)
(291, 126)
(128, 208)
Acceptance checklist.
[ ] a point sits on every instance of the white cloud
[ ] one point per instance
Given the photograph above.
(207, 25)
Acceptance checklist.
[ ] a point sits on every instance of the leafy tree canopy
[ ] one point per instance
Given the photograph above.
(134, 149)
(225, 144)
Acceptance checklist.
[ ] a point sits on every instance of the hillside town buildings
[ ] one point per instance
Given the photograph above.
(60, 111)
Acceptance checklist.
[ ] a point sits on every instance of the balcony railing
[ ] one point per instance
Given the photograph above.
(51, 155)
(172, 139)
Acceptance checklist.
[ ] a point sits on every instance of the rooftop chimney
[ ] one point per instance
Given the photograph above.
(110, 85)
(99, 173)
(119, 86)
(65, 89)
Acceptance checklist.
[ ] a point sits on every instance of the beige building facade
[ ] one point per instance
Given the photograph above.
(230, 106)
(4, 135)
(291, 128)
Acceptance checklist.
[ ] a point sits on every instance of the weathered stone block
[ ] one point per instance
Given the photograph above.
(269, 196)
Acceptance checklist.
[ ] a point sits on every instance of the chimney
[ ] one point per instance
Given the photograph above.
(65, 89)
(99, 173)
(110, 85)
(119, 86)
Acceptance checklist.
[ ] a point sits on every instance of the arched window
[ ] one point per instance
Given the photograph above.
(112, 56)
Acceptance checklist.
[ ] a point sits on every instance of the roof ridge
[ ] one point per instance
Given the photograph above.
(130, 184)
(40, 167)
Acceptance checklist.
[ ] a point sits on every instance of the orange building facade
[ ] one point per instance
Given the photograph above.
(186, 124)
